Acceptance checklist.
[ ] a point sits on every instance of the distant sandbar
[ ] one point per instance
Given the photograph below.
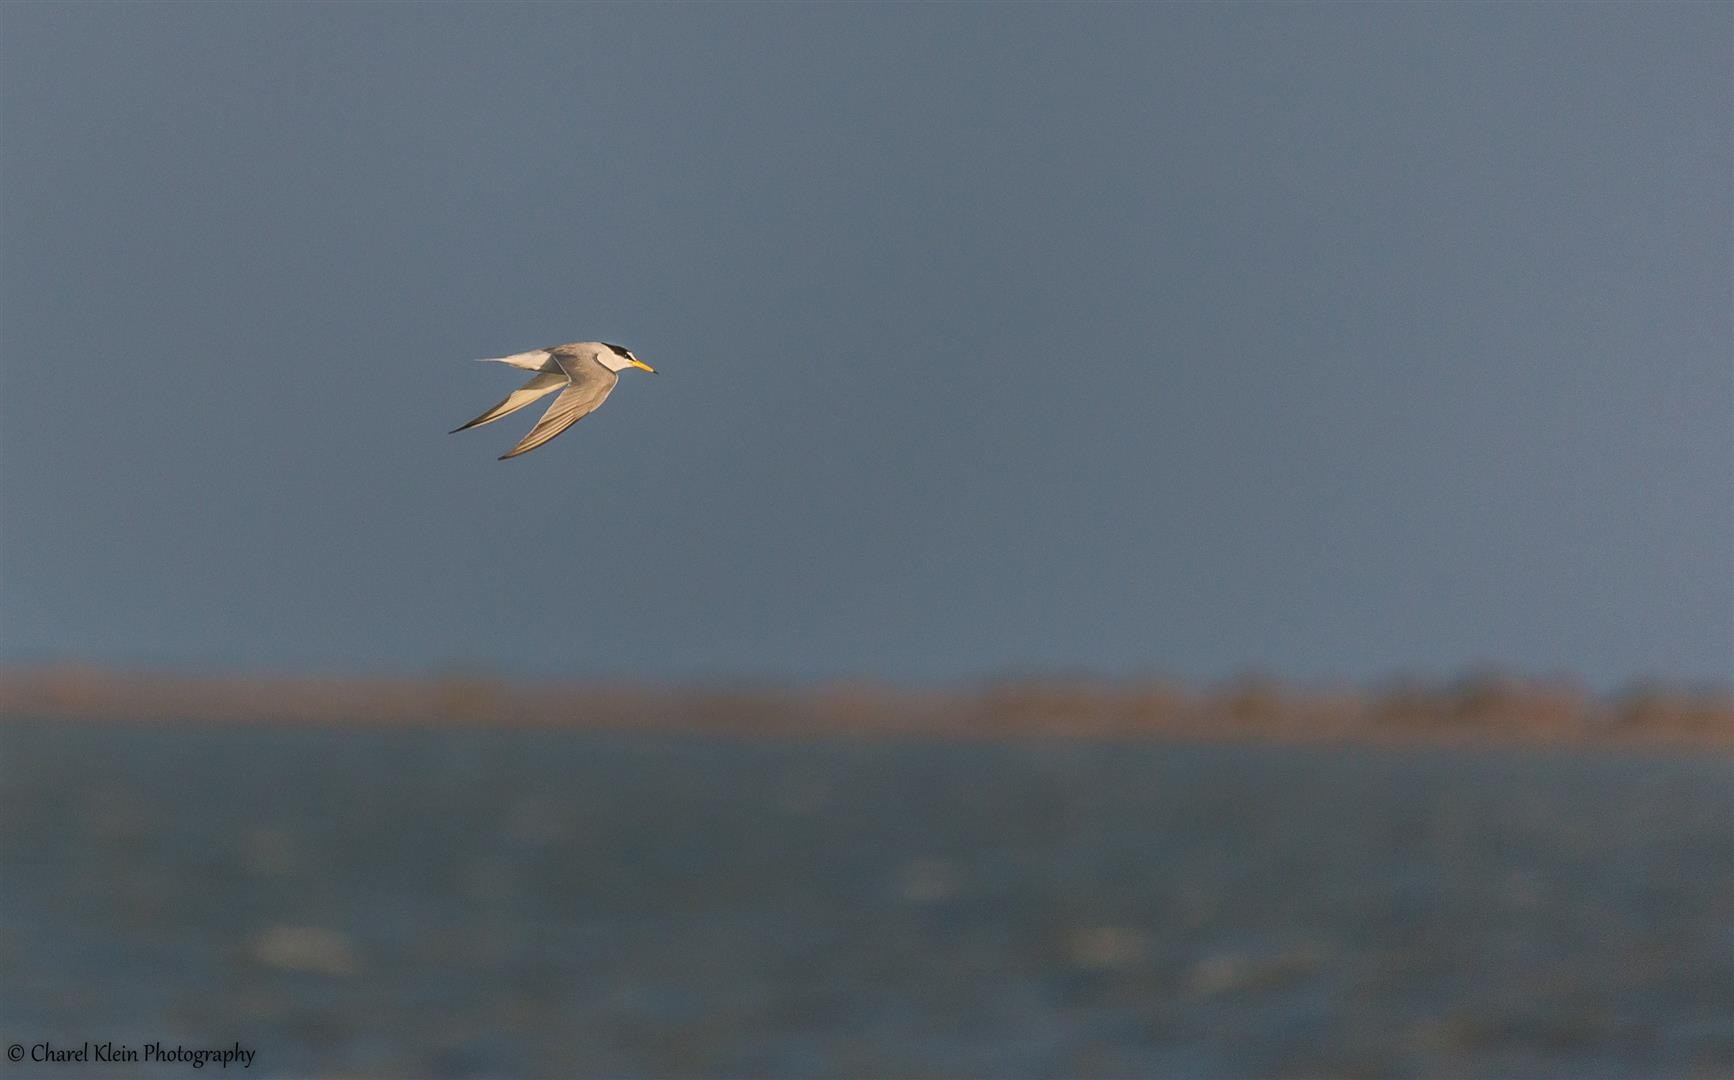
(1475, 709)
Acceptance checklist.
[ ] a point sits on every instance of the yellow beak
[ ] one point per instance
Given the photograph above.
(636, 362)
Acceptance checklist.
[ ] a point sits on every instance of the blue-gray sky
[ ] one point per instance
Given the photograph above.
(1327, 341)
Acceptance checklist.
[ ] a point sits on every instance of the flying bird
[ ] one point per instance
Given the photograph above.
(583, 371)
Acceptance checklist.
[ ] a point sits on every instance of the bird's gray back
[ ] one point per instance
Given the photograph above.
(581, 365)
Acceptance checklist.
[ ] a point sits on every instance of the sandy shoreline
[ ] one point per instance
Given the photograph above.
(1490, 709)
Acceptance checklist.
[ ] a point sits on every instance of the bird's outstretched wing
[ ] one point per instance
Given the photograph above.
(589, 385)
(539, 386)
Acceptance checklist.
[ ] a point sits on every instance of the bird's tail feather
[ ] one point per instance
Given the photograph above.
(529, 361)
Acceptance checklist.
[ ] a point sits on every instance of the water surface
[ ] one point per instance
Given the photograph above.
(458, 903)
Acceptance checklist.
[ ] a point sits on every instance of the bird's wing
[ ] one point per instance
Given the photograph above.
(590, 384)
(545, 383)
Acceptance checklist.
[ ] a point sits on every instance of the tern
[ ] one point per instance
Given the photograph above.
(583, 371)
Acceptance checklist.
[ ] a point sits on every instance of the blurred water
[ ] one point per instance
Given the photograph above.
(455, 903)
